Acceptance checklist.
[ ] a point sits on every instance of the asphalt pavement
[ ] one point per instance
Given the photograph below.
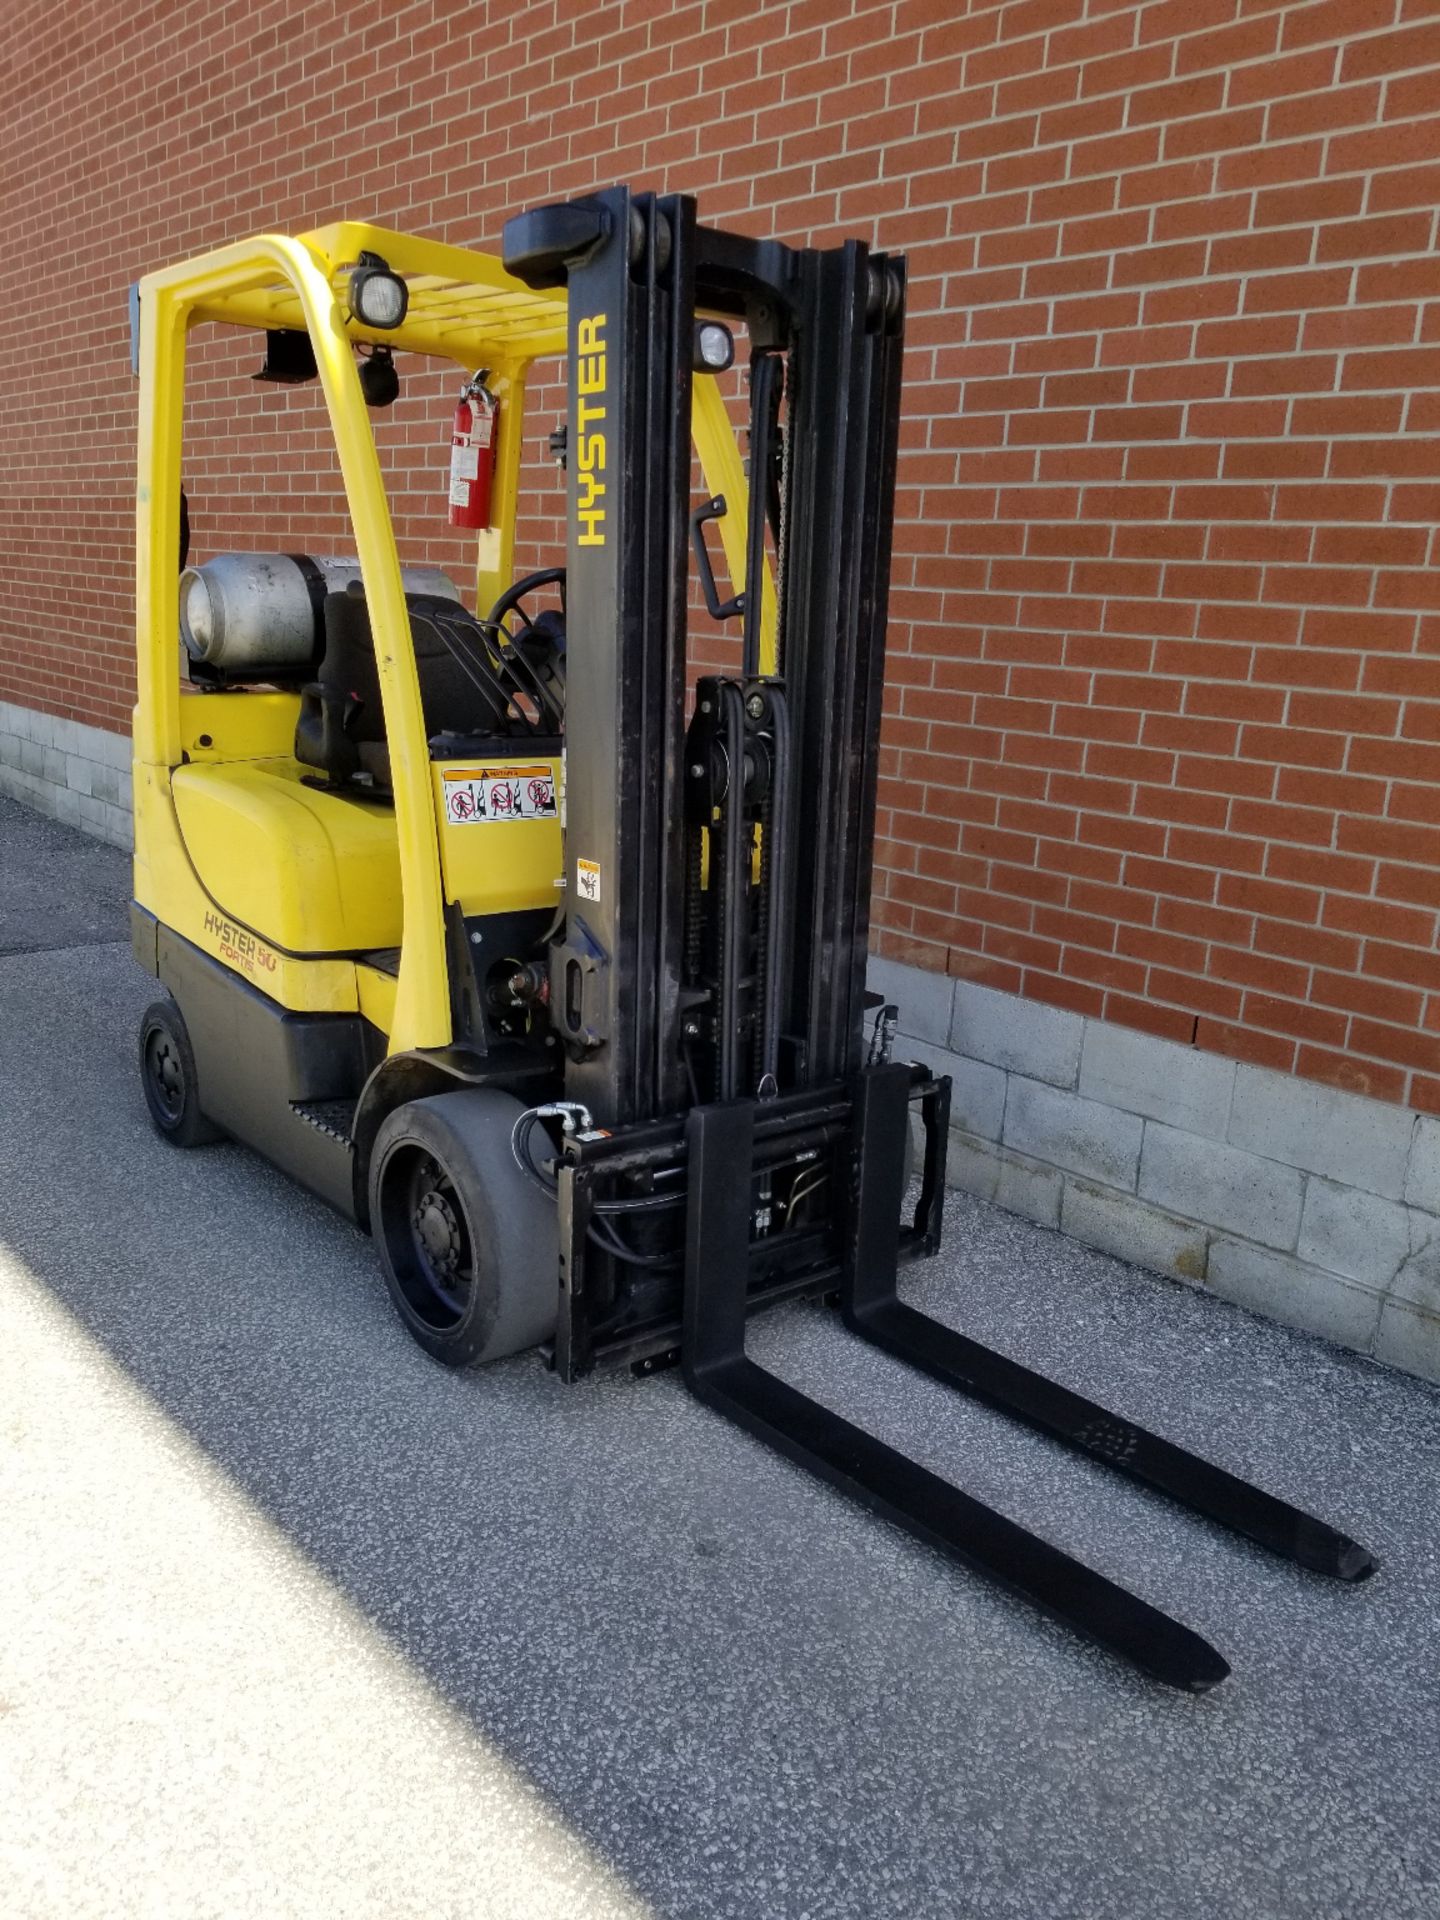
(294, 1622)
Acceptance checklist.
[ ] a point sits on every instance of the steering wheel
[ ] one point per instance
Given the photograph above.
(528, 583)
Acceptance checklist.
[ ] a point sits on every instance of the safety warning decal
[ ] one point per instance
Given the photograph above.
(488, 794)
(587, 879)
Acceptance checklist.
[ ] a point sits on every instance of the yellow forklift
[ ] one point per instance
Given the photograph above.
(540, 958)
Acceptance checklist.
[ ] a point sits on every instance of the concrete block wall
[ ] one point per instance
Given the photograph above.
(78, 773)
(1312, 1206)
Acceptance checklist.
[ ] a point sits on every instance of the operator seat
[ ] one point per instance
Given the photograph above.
(341, 725)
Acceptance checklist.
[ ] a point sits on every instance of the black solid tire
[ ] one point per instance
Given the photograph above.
(168, 1077)
(468, 1245)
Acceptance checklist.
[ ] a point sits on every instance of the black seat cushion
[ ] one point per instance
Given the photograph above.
(341, 726)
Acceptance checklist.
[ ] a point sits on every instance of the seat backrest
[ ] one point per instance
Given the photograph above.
(340, 710)
(341, 726)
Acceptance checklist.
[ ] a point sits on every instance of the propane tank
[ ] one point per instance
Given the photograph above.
(472, 455)
(265, 611)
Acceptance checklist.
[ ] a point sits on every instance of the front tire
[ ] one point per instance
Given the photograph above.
(469, 1247)
(168, 1076)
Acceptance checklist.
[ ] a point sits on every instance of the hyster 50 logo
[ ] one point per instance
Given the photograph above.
(590, 430)
(239, 946)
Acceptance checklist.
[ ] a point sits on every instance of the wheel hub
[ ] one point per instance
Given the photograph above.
(421, 1219)
(166, 1073)
(438, 1230)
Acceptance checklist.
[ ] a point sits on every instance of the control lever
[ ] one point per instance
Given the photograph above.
(717, 608)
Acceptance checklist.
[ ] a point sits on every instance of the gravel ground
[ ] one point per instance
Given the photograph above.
(297, 1623)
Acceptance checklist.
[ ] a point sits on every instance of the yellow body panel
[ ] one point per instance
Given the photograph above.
(167, 885)
(318, 873)
(500, 859)
(310, 871)
(376, 990)
(252, 725)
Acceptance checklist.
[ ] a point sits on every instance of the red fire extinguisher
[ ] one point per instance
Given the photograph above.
(472, 454)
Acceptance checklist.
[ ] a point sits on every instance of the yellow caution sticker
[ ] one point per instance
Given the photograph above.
(479, 796)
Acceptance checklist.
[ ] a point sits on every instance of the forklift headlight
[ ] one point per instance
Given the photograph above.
(378, 297)
(714, 347)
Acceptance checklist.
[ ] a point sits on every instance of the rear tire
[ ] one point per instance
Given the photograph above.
(168, 1076)
(468, 1245)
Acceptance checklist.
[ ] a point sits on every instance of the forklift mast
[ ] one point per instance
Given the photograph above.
(718, 873)
(738, 1140)
(826, 326)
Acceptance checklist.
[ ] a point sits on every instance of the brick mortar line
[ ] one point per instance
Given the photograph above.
(1081, 487)
(998, 117)
(1168, 284)
(1259, 953)
(1138, 45)
(442, 121)
(1161, 598)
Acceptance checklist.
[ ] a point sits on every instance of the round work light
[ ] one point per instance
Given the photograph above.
(378, 297)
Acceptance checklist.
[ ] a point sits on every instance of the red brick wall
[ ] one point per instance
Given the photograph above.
(1164, 734)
